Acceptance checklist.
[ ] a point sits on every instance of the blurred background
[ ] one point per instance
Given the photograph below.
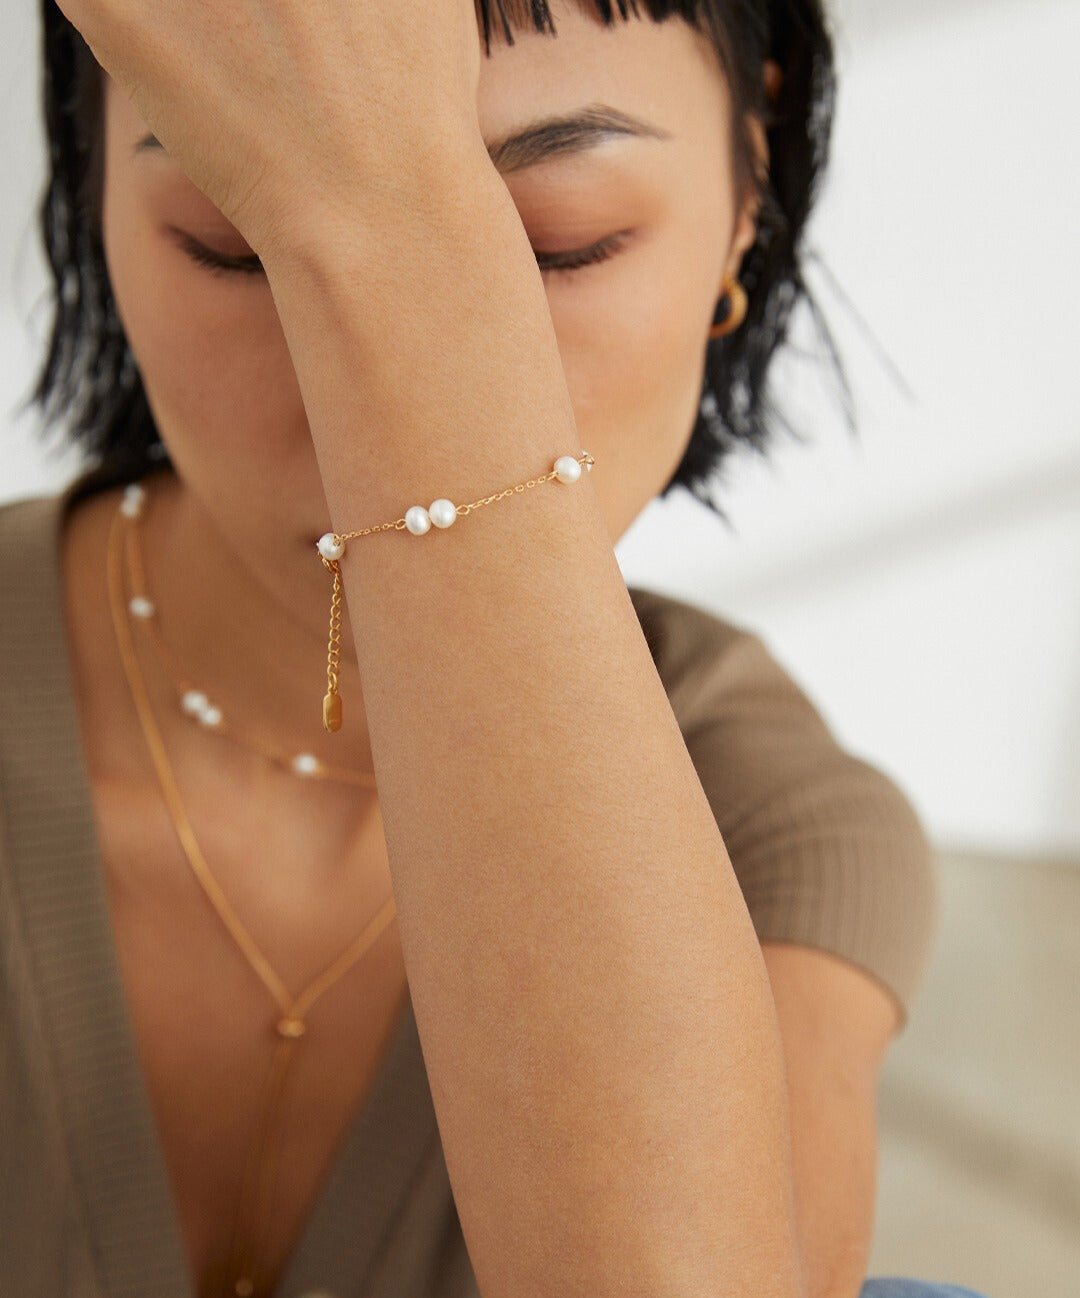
(920, 579)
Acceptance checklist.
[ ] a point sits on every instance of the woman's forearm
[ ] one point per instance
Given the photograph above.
(593, 1006)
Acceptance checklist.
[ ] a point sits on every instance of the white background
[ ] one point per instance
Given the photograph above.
(920, 580)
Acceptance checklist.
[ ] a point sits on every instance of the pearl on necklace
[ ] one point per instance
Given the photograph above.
(253, 1215)
(131, 506)
(142, 607)
(198, 706)
(194, 702)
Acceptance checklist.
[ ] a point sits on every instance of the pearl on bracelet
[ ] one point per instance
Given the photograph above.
(442, 512)
(417, 520)
(567, 469)
(306, 764)
(330, 547)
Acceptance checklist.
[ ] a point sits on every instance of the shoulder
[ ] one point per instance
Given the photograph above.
(732, 696)
(677, 630)
(828, 849)
(714, 669)
(752, 729)
(25, 523)
(34, 655)
(28, 576)
(30, 622)
(30, 547)
(30, 525)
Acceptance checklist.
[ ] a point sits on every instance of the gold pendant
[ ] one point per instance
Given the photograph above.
(331, 713)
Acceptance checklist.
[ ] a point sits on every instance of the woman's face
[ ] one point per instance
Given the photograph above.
(631, 329)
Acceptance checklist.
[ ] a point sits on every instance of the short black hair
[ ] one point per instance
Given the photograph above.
(89, 383)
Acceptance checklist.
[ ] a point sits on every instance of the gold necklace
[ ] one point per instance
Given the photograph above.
(289, 1024)
(192, 701)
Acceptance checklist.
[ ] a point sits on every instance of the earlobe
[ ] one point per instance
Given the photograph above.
(755, 129)
(746, 230)
(745, 234)
(746, 225)
(742, 240)
(773, 76)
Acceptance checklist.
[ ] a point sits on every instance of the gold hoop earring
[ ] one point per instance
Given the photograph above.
(735, 295)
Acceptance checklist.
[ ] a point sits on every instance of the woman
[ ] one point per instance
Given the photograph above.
(315, 263)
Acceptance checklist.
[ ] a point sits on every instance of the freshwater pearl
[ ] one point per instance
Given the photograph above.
(134, 498)
(567, 469)
(417, 520)
(210, 717)
(194, 703)
(305, 764)
(330, 547)
(140, 606)
(442, 512)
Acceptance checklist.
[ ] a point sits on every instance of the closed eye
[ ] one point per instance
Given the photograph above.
(219, 262)
(599, 251)
(575, 259)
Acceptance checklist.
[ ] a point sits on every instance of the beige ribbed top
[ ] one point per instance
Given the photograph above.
(827, 850)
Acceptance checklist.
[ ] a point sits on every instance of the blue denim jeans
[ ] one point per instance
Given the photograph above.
(898, 1287)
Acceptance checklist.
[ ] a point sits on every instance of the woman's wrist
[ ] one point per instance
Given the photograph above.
(383, 217)
(421, 336)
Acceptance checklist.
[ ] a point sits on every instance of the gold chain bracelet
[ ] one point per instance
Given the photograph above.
(417, 520)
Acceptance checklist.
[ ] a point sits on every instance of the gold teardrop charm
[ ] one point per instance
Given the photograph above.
(331, 713)
(289, 1027)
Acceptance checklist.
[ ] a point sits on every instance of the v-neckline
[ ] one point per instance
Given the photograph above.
(116, 1155)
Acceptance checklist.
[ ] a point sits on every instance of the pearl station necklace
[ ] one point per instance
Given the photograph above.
(240, 1273)
(192, 701)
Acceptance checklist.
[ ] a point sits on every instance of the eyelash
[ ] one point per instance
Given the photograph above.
(220, 263)
(571, 261)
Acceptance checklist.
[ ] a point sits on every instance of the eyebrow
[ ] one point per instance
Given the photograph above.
(546, 137)
(567, 133)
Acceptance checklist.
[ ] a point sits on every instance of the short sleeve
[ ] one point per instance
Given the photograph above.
(827, 849)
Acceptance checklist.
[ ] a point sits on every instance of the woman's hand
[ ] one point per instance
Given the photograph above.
(269, 105)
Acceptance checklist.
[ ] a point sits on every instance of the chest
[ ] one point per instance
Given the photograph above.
(249, 1122)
